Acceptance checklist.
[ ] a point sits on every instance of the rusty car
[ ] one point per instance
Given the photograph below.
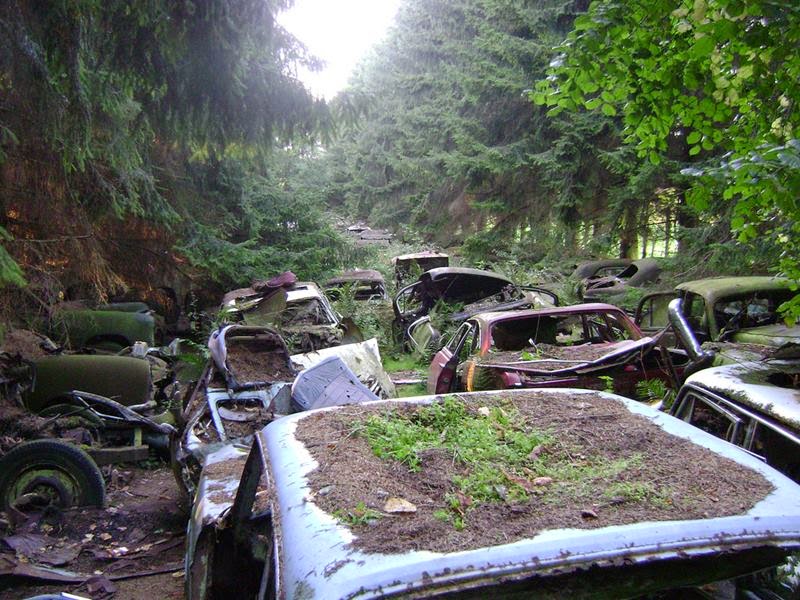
(88, 410)
(586, 345)
(742, 310)
(612, 282)
(460, 292)
(249, 382)
(273, 523)
(299, 310)
(362, 284)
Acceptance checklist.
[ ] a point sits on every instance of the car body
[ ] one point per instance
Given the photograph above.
(408, 267)
(606, 267)
(248, 383)
(110, 327)
(259, 528)
(366, 284)
(752, 404)
(299, 310)
(570, 346)
(462, 292)
(726, 309)
(602, 285)
(89, 410)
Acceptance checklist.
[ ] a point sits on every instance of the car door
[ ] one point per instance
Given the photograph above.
(442, 372)
(651, 312)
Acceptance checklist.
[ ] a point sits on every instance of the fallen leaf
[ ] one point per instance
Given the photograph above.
(542, 481)
(399, 505)
(535, 452)
(588, 514)
(105, 536)
(484, 411)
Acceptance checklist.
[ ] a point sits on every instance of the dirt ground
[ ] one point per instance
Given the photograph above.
(680, 478)
(130, 550)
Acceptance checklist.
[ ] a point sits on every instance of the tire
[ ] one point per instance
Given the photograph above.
(56, 472)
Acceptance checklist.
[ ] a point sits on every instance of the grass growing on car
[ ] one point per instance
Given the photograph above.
(500, 457)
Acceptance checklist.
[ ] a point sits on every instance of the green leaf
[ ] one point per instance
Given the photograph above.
(694, 150)
(693, 138)
(593, 103)
(703, 47)
(609, 110)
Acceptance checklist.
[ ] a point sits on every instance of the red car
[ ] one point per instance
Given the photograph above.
(587, 345)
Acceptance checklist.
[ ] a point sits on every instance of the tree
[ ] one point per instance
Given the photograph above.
(115, 112)
(722, 76)
(451, 144)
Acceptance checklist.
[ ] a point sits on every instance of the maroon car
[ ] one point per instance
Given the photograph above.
(587, 345)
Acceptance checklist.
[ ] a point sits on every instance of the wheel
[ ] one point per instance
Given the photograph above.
(50, 472)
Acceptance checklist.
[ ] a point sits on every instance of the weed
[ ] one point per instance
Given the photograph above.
(492, 446)
(636, 491)
(402, 362)
(496, 457)
(650, 390)
(411, 390)
(360, 515)
(608, 383)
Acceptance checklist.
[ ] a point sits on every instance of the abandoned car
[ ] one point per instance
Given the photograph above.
(460, 293)
(725, 309)
(249, 382)
(755, 405)
(109, 327)
(603, 286)
(299, 310)
(408, 267)
(363, 284)
(298, 518)
(586, 345)
(116, 407)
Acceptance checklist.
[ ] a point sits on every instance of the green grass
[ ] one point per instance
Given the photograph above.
(359, 515)
(403, 362)
(497, 455)
(412, 389)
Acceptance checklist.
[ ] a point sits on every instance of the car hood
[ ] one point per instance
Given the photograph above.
(607, 355)
(310, 537)
(766, 386)
(774, 335)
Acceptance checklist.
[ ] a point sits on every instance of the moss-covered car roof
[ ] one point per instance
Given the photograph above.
(721, 287)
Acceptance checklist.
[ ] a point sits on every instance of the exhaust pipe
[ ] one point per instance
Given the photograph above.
(700, 358)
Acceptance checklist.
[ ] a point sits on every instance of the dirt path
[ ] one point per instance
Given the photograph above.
(132, 549)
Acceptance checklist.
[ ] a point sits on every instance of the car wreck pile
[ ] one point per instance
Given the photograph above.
(526, 470)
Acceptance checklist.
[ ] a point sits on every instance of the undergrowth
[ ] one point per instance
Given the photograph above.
(497, 456)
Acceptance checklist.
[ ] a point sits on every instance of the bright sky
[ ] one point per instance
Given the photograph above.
(340, 32)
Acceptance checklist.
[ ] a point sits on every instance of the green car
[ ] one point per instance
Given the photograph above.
(110, 327)
(743, 310)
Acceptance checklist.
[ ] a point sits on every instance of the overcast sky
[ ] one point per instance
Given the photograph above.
(339, 32)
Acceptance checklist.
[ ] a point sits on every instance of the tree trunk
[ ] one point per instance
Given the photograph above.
(645, 228)
(629, 243)
(686, 219)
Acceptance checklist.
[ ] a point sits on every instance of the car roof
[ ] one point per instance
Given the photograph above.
(303, 290)
(754, 384)
(719, 287)
(416, 255)
(441, 272)
(318, 559)
(368, 275)
(492, 317)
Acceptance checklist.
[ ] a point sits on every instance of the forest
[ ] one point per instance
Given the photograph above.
(172, 194)
(172, 144)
